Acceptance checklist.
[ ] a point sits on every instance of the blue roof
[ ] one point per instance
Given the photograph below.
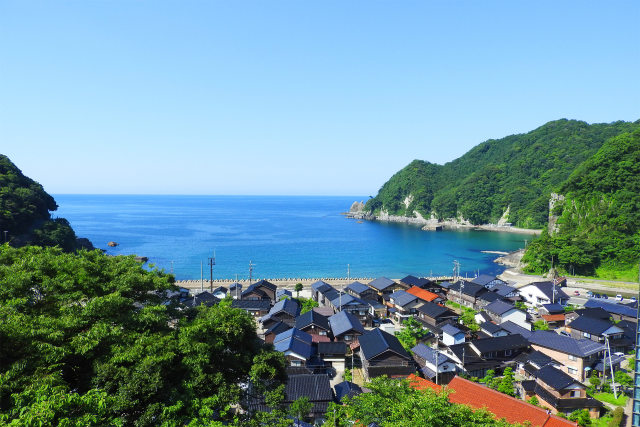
(553, 308)
(343, 321)
(402, 298)
(484, 279)
(563, 344)
(347, 389)
(429, 354)
(611, 307)
(499, 307)
(376, 341)
(294, 340)
(492, 328)
(357, 287)
(288, 306)
(503, 290)
(415, 281)
(451, 330)
(381, 283)
(513, 329)
(345, 299)
(312, 317)
(320, 286)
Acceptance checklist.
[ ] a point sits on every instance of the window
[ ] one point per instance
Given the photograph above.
(572, 358)
(575, 393)
(296, 363)
(347, 337)
(572, 371)
(507, 352)
(586, 334)
(322, 333)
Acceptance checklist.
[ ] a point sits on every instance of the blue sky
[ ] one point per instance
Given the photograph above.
(295, 97)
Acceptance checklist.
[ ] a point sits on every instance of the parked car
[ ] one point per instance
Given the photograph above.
(619, 297)
(596, 295)
(605, 296)
(576, 293)
(589, 293)
(565, 333)
(633, 299)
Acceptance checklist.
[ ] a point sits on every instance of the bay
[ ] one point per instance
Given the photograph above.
(283, 236)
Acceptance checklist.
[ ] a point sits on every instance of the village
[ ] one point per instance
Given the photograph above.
(460, 334)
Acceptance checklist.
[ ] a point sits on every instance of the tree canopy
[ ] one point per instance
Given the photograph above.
(88, 339)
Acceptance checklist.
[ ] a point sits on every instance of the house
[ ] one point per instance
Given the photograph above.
(205, 298)
(428, 358)
(345, 327)
(433, 314)
(499, 348)
(486, 298)
(314, 387)
(353, 305)
(506, 292)
(362, 291)
(403, 305)
(318, 290)
(346, 389)
(597, 329)
(452, 335)
(285, 310)
(382, 354)
(501, 311)
(283, 293)
(313, 323)
(617, 311)
(295, 345)
(424, 295)
(560, 392)
(493, 330)
(275, 329)
(256, 308)
(384, 286)
(481, 317)
(469, 362)
(594, 312)
(538, 293)
(465, 293)
(333, 354)
(551, 309)
(530, 362)
(488, 281)
(554, 320)
(260, 290)
(515, 411)
(235, 290)
(513, 329)
(220, 292)
(413, 281)
(576, 356)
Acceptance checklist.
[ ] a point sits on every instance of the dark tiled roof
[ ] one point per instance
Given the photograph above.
(591, 325)
(489, 297)
(205, 298)
(611, 307)
(553, 308)
(288, 306)
(343, 321)
(451, 330)
(547, 289)
(294, 340)
(220, 289)
(415, 281)
(320, 286)
(429, 354)
(512, 328)
(263, 284)
(566, 404)
(483, 279)
(468, 288)
(554, 378)
(357, 287)
(503, 290)
(343, 299)
(402, 298)
(376, 341)
(337, 348)
(312, 318)
(277, 328)
(446, 285)
(233, 286)
(499, 307)
(563, 344)
(491, 328)
(347, 389)
(283, 292)
(507, 342)
(315, 387)
(594, 312)
(381, 283)
(484, 316)
(433, 310)
(260, 305)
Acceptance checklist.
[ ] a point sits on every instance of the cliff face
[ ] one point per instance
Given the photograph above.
(25, 213)
(503, 181)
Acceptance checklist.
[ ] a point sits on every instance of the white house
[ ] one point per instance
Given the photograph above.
(539, 293)
(431, 361)
(501, 311)
(452, 335)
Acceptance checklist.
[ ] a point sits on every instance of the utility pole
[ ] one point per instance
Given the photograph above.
(635, 417)
(348, 272)
(251, 265)
(212, 262)
(201, 277)
(437, 337)
(171, 266)
(5, 235)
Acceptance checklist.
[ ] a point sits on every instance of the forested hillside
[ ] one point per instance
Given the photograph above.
(25, 212)
(518, 172)
(599, 220)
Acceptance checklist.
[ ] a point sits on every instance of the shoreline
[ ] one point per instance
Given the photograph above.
(434, 225)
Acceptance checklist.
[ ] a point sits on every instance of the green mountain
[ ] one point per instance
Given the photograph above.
(25, 213)
(518, 172)
(597, 227)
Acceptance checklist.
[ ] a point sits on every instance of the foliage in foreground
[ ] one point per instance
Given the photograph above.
(86, 339)
(395, 403)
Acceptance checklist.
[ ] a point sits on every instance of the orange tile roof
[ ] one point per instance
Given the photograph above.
(553, 317)
(502, 406)
(422, 384)
(422, 294)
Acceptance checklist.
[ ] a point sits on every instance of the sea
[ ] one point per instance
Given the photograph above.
(280, 236)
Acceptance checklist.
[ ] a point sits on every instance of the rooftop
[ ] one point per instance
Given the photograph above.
(563, 344)
(312, 318)
(343, 322)
(547, 289)
(377, 341)
(554, 378)
(507, 342)
(415, 281)
(451, 330)
(357, 287)
(422, 294)
(491, 328)
(247, 304)
(593, 326)
(512, 328)
(381, 283)
(499, 307)
(612, 307)
(433, 310)
(484, 279)
(429, 354)
(402, 298)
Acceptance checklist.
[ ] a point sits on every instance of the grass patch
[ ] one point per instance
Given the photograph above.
(608, 397)
(601, 422)
(629, 274)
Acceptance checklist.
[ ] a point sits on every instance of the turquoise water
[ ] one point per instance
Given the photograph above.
(283, 236)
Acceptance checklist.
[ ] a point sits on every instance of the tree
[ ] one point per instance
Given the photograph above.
(489, 376)
(506, 383)
(540, 325)
(534, 401)
(411, 333)
(306, 304)
(594, 381)
(394, 403)
(622, 378)
(581, 417)
(348, 375)
(298, 288)
(91, 339)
